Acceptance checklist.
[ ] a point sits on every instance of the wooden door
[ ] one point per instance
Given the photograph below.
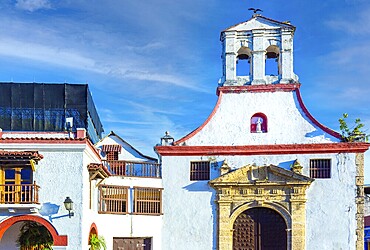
(260, 229)
(132, 243)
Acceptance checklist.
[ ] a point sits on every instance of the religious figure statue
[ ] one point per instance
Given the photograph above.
(259, 125)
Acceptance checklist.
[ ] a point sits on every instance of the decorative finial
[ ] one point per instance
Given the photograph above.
(297, 167)
(255, 10)
(225, 168)
(167, 140)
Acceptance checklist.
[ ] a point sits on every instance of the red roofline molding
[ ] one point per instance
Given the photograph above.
(194, 132)
(313, 120)
(59, 240)
(259, 88)
(316, 148)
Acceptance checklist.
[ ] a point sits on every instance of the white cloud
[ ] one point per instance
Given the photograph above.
(33, 5)
(76, 60)
(352, 26)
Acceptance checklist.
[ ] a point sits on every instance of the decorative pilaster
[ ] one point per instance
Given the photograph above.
(258, 58)
(286, 57)
(225, 235)
(360, 201)
(298, 211)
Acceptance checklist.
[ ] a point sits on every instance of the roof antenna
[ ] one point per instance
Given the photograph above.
(255, 10)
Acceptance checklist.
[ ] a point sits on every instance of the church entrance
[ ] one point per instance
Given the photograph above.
(260, 229)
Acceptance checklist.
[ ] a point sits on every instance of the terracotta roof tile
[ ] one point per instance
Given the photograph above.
(111, 148)
(20, 154)
(98, 167)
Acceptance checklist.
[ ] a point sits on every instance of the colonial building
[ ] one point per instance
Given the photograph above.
(261, 172)
(47, 159)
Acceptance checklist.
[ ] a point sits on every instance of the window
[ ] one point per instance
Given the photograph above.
(147, 200)
(113, 199)
(16, 185)
(112, 156)
(199, 170)
(320, 168)
(259, 123)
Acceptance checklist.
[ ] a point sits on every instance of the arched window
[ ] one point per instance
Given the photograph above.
(259, 123)
(272, 60)
(243, 63)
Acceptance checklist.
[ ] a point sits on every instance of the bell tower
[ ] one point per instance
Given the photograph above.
(247, 47)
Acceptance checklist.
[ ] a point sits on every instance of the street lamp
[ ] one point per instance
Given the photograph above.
(68, 204)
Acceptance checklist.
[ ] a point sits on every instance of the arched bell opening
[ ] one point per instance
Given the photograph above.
(272, 56)
(243, 62)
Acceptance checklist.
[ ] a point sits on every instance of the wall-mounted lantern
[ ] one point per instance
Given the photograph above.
(68, 204)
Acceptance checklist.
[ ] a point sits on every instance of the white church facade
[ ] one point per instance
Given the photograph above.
(261, 172)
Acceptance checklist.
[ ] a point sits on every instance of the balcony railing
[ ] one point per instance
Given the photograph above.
(19, 194)
(134, 169)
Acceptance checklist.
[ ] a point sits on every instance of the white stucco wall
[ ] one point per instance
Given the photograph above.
(124, 226)
(127, 153)
(287, 124)
(62, 172)
(190, 212)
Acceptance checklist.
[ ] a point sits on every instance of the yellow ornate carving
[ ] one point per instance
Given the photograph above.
(267, 186)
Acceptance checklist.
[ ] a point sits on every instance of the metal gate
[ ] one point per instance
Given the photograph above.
(260, 229)
(132, 243)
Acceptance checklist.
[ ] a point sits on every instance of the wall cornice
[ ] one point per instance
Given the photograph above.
(314, 148)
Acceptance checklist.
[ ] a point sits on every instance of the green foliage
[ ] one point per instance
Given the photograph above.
(97, 242)
(34, 236)
(353, 134)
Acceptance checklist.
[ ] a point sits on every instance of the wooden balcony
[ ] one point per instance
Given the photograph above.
(134, 169)
(19, 194)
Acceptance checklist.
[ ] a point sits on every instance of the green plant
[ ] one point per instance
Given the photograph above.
(34, 236)
(97, 242)
(353, 134)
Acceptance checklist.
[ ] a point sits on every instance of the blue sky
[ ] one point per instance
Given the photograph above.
(154, 65)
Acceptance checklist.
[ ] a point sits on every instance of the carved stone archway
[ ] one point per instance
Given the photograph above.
(272, 187)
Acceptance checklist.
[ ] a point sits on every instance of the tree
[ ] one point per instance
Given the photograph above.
(354, 134)
(34, 236)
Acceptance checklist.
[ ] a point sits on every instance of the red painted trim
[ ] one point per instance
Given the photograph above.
(316, 148)
(93, 230)
(44, 140)
(35, 132)
(51, 141)
(259, 88)
(194, 132)
(59, 240)
(307, 113)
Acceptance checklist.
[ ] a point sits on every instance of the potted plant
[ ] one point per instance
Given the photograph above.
(97, 242)
(34, 236)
